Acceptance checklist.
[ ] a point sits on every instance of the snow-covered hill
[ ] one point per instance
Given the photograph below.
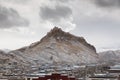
(58, 46)
(110, 56)
(3, 57)
(6, 58)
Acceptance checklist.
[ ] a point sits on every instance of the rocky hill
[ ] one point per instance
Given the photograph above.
(110, 56)
(9, 58)
(4, 58)
(58, 46)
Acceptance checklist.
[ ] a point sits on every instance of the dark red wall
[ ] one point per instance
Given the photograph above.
(55, 77)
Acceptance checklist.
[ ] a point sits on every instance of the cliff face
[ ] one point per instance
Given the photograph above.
(59, 46)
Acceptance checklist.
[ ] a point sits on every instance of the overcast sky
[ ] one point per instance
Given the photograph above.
(23, 22)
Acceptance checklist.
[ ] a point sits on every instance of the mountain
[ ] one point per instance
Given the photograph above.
(58, 46)
(109, 56)
(9, 58)
(3, 56)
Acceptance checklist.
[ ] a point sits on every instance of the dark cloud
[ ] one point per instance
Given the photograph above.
(10, 18)
(55, 14)
(108, 3)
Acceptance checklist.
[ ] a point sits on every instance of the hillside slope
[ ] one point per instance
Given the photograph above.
(58, 46)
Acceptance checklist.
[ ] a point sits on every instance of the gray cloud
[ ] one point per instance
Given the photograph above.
(63, 1)
(108, 3)
(55, 14)
(10, 18)
(17, 1)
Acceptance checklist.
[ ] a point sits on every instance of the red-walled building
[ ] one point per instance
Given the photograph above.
(55, 76)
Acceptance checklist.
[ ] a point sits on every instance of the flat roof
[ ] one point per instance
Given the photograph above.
(108, 77)
(114, 70)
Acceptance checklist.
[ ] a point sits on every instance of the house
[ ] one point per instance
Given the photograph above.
(114, 70)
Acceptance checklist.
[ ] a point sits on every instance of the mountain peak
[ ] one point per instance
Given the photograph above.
(55, 32)
(60, 35)
(56, 29)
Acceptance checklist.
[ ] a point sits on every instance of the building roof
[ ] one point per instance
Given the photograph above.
(103, 77)
(114, 70)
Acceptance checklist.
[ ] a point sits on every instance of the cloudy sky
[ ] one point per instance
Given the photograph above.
(23, 22)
